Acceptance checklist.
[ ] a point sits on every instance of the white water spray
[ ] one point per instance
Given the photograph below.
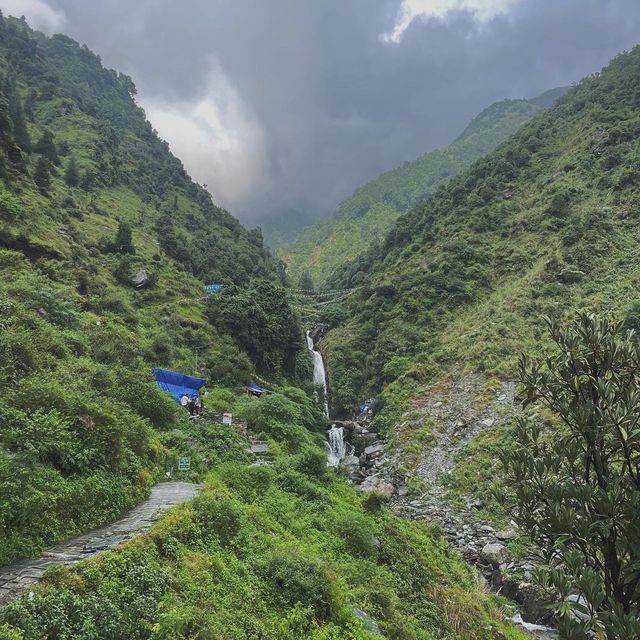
(538, 630)
(336, 446)
(319, 375)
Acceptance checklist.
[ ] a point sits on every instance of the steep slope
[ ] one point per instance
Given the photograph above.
(89, 197)
(371, 210)
(280, 551)
(546, 224)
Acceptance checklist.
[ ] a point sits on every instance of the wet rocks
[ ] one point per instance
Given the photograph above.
(318, 331)
(350, 463)
(374, 450)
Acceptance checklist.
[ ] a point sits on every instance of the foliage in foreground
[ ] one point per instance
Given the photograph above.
(280, 552)
(578, 490)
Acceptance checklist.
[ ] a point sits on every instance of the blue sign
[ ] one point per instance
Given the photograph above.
(213, 288)
(184, 464)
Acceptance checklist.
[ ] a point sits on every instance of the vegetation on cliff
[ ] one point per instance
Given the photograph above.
(372, 209)
(89, 197)
(546, 224)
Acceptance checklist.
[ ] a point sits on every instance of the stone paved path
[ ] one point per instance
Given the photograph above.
(15, 578)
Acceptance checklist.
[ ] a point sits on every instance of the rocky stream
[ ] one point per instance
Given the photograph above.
(458, 416)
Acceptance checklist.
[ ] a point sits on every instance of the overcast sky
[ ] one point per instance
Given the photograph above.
(291, 104)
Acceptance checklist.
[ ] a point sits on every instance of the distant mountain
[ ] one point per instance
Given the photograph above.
(545, 224)
(371, 209)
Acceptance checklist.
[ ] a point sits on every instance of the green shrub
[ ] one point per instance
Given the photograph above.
(220, 515)
(293, 578)
(10, 207)
(356, 531)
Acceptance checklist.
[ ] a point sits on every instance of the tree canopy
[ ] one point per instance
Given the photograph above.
(577, 483)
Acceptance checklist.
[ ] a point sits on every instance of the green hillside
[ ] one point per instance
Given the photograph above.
(369, 212)
(89, 197)
(545, 225)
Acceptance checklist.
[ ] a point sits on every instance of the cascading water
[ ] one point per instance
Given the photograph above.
(336, 446)
(319, 376)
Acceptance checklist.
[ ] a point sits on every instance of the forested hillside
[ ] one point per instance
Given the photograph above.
(545, 225)
(371, 210)
(272, 548)
(89, 197)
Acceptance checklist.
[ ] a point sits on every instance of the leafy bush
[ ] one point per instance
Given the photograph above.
(9, 206)
(293, 578)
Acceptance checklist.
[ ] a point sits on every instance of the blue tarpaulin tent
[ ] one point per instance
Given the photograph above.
(256, 390)
(213, 288)
(178, 384)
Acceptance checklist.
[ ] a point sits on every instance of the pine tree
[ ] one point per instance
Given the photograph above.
(124, 239)
(46, 146)
(16, 111)
(42, 175)
(20, 132)
(72, 174)
(6, 128)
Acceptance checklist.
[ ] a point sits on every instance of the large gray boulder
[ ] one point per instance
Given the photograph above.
(350, 463)
(379, 485)
(495, 553)
(370, 624)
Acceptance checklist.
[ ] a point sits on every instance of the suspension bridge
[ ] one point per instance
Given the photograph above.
(309, 303)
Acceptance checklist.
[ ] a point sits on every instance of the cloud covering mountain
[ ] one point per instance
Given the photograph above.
(290, 104)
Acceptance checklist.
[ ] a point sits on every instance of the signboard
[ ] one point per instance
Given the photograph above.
(184, 464)
(227, 418)
(213, 288)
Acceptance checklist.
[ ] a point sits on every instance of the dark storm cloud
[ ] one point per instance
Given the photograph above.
(280, 104)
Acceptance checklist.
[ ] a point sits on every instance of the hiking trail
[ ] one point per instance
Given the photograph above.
(18, 576)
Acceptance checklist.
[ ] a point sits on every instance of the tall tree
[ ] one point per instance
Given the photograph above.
(42, 175)
(46, 146)
(578, 488)
(72, 174)
(16, 111)
(124, 239)
(306, 281)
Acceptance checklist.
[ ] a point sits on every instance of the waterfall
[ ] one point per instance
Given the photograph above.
(319, 376)
(336, 446)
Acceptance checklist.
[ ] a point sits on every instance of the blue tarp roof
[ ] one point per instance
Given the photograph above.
(177, 384)
(213, 288)
(257, 389)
